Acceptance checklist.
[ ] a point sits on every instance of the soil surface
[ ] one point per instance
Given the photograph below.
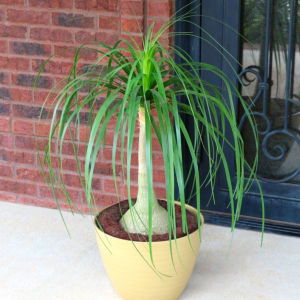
(110, 217)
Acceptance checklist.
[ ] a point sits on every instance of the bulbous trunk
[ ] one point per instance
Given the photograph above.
(137, 221)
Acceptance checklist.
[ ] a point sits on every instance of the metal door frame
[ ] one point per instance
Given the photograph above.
(279, 210)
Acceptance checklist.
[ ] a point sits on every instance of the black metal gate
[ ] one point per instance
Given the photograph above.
(262, 38)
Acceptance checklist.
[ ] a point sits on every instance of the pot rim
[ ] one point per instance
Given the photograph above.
(129, 241)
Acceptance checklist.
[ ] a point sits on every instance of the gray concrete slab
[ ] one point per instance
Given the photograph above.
(38, 261)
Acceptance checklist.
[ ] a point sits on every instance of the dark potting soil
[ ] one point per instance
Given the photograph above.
(110, 217)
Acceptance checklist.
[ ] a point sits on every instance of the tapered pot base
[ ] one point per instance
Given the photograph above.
(128, 265)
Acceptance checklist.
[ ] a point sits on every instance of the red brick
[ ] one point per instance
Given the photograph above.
(2, 15)
(16, 156)
(107, 154)
(68, 149)
(133, 191)
(60, 81)
(132, 8)
(4, 109)
(134, 158)
(109, 23)
(3, 46)
(14, 63)
(30, 48)
(104, 168)
(5, 124)
(159, 176)
(32, 175)
(6, 171)
(17, 187)
(99, 5)
(8, 197)
(135, 143)
(109, 138)
(165, 41)
(118, 199)
(69, 164)
(4, 78)
(96, 184)
(28, 16)
(40, 97)
(84, 134)
(23, 127)
(132, 25)
(37, 202)
(72, 20)
(52, 66)
(13, 94)
(31, 112)
(13, 2)
(45, 192)
(13, 31)
(87, 36)
(133, 175)
(160, 192)
(159, 9)
(83, 116)
(52, 35)
(67, 135)
(113, 121)
(158, 160)
(74, 181)
(109, 186)
(155, 144)
(138, 40)
(28, 80)
(101, 200)
(5, 94)
(84, 68)
(42, 129)
(69, 53)
(40, 161)
(29, 143)
(6, 140)
(51, 3)
(157, 25)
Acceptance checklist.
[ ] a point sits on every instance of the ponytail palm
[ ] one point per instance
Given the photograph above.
(141, 88)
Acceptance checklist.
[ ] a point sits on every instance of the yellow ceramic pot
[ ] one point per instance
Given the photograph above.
(132, 277)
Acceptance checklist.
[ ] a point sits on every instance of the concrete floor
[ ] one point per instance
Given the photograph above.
(38, 261)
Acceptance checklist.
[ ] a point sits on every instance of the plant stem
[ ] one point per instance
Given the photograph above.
(137, 221)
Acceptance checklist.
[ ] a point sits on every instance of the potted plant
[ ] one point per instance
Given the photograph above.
(141, 87)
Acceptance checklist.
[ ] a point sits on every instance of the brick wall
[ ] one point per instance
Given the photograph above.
(30, 31)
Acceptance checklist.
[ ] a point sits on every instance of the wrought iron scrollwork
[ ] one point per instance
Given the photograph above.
(242, 75)
(262, 80)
